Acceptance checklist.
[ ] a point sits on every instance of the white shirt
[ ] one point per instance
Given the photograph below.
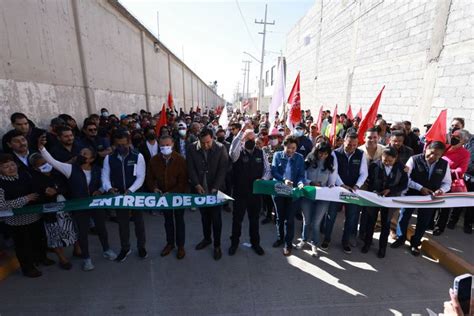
(153, 149)
(140, 174)
(388, 169)
(24, 159)
(445, 183)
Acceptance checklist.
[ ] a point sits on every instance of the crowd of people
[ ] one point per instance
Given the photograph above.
(193, 153)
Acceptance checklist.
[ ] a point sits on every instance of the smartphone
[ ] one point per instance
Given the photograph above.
(462, 288)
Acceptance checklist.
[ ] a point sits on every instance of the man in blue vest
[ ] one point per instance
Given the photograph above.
(249, 164)
(123, 173)
(304, 143)
(352, 172)
(428, 174)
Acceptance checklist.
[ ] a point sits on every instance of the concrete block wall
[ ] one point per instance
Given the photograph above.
(75, 57)
(422, 51)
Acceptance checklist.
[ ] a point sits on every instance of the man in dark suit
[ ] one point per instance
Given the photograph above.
(22, 124)
(18, 146)
(207, 162)
(149, 148)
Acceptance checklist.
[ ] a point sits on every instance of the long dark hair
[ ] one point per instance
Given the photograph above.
(313, 157)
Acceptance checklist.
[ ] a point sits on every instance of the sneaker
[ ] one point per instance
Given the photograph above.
(397, 243)
(109, 254)
(258, 250)
(347, 249)
(314, 250)
(123, 255)
(142, 253)
(325, 245)
(301, 244)
(87, 265)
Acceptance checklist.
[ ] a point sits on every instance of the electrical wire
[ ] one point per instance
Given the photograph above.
(245, 23)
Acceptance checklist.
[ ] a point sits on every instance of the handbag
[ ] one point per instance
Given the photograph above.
(458, 184)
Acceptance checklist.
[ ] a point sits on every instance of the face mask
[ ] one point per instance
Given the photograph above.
(105, 114)
(274, 142)
(150, 136)
(221, 139)
(282, 133)
(182, 132)
(249, 144)
(455, 141)
(46, 168)
(166, 150)
(298, 133)
(80, 160)
(122, 150)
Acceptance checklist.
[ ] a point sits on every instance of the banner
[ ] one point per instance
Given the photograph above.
(134, 201)
(364, 198)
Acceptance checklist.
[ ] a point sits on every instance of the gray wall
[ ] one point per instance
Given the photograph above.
(68, 56)
(423, 51)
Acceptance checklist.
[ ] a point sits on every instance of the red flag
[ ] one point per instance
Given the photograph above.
(294, 113)
(359, 114)
(437, 131)
(349, 114)
(370, 117)
(162, 121)
(170, 101)
(319, 121)
(333, 131)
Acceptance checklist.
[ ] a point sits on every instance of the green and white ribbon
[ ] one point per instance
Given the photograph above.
(134, 201)
(363, 198)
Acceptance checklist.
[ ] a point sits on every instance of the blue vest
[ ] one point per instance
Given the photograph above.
(421, 174)
(123, 172)
(78, 183)
(349, 170)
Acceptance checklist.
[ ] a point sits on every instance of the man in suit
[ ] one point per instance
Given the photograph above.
(150, 147)
(18, 146)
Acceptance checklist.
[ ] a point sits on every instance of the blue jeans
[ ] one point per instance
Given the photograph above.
(313, 213)
(350, 224)
(285, 219)
(422, 222)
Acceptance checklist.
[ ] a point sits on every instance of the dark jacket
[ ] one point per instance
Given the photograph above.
(169, 177)
(214, 168)
(143, 149)
(378, 180)
(404, 154)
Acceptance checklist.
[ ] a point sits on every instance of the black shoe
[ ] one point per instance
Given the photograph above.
(347, 249)
(203, 244)
(266, 220)
(414, 251)
(65, 265)
(278, 243)
(232, 250)
(142, 253)
(123, 255)
(217, 253)
(381, 253)
(451, 224)
(258, 250)
(437, 231)
(365, 248)
(397, 243)
(468, 229)
(325, 245)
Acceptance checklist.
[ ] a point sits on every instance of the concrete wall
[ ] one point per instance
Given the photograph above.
(422, 51)
(68, 56)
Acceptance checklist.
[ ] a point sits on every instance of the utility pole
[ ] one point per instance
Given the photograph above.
(264, 33)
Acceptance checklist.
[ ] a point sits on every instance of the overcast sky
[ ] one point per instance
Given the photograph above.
(213, 34)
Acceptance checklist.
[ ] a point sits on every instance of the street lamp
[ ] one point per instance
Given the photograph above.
(260, 85)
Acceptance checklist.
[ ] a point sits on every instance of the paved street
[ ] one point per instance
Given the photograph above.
(246, 284)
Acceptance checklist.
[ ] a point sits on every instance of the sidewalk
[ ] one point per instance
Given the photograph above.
(246, 284)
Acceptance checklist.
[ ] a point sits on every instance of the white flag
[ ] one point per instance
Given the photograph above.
(224, 118)
(278, 97)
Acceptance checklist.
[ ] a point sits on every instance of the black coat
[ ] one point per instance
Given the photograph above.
(396, 181)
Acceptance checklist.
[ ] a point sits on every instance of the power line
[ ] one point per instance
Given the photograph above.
(245, 23)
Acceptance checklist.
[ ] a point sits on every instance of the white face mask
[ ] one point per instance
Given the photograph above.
(182, 132)
(105, 114)
(166, 150)
(298, 132)
(45, 168)
(273, 142)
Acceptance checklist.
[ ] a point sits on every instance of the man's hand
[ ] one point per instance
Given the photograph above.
(96, 193)
(200, 189)
(438, 192)
(300, 186)
(452, 307)
(156, 190)
(348, 188)
(32, 197)
(385, 192)
(42, 141)
(355, 188)
(426, 191)
(113, 191)
(50, 191)
(127, 192)
(289, 183)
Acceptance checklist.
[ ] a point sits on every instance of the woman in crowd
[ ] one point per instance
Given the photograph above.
(16, 191)
(287, 167)
(84, 179)
(52, 187)
(320, 172)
